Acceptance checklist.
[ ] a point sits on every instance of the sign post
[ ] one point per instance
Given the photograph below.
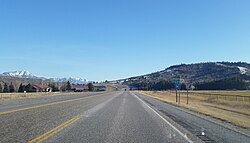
(187, 88)
(177, 87)
(179, 97)
(176, 95)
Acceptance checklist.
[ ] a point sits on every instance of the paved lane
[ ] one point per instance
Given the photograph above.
(22, 126)
(124, 119)
(7, 105)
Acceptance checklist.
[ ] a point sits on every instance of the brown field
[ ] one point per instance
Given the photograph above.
(229, 106)
(10, 96)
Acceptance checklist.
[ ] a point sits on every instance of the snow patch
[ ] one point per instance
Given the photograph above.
(169, 70)
(219, 64)
(243, 70)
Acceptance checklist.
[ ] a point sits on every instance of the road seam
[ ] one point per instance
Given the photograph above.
(43, 105)
(55, 130)
(178, 131)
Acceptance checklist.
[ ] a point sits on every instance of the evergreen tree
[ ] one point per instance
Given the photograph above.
(1, 88)
(68, 86)
(21, 88)
(11, 87)
(6, 88)
(183, 86)
(91, 87)
(28, 88)
(54, 87)
(63, 87)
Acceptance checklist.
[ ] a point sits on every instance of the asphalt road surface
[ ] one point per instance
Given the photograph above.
(109, 117)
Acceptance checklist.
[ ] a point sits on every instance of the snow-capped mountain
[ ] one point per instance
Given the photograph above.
(71, 80)
(21, 74)
(27, 74)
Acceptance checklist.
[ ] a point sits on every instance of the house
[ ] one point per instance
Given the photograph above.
(80, 87)
(100, 88)
(41, 88)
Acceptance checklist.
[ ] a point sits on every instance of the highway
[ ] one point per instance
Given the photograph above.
(109, 117)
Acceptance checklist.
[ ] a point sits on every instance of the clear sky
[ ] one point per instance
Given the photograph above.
(113, 39)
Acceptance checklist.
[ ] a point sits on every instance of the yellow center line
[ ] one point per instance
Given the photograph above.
(43, 105)
(55, 130)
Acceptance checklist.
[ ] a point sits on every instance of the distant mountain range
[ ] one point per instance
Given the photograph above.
(29, 75)
(195, 73)
(21, 74)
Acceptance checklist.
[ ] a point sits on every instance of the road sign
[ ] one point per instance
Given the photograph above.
(176, 83)
(177, 86)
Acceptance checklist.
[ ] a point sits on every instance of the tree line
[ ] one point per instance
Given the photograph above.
(66, 86)
(7, 88)
(236, 83)
(161, 85)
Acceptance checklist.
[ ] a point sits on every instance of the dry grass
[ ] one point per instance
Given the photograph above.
(235, 112)
(10, 96)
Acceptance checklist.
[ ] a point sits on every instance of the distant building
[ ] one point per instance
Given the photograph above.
(80, 87)
(41, 88)
(100, 88)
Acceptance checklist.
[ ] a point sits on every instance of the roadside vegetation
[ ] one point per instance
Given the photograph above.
(235, 83)
(229, 106)
(13, 91)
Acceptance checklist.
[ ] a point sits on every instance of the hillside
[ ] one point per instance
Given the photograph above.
(193, 74)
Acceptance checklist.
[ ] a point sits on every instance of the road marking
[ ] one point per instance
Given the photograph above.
(43, 105)
(178, 131)
(55, 130)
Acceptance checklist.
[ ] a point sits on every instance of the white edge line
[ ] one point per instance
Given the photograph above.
(178, 131)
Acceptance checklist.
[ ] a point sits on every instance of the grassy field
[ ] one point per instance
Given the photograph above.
(222, 105)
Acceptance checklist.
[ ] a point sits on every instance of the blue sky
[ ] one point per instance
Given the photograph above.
(113, 39)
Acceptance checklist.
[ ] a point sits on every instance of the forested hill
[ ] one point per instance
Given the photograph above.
(210, 75)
